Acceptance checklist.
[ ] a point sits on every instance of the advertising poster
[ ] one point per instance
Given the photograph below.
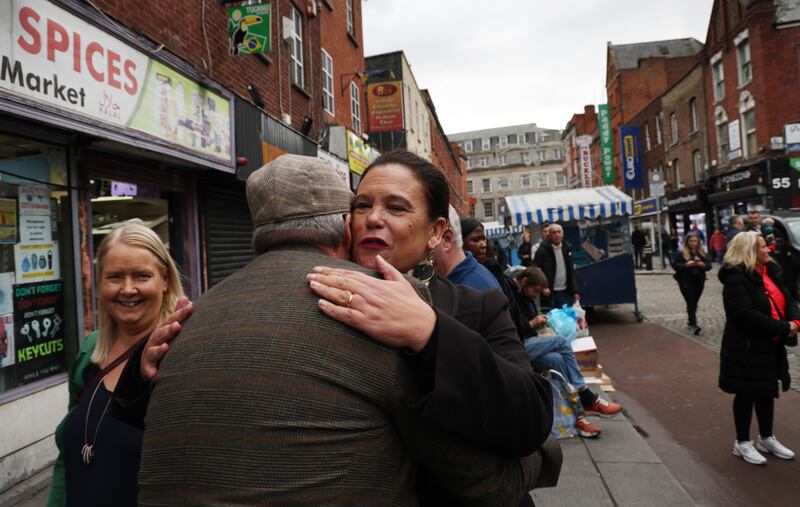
(359, 155)
(8, 221)
(38, 329)
(248, 29)
(606, 153)
(734, 140)
(36, 262)
(112, 82)
(385, 101)
(35, 229)
(631, 157)
(585, 149)
(7, 281)
(34, 200)
(337, 165)
(7, 357)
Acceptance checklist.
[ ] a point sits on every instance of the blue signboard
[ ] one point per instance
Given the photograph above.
(645, 207)
(631, 155)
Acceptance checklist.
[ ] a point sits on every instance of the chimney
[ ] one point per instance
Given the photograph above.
(588, 109)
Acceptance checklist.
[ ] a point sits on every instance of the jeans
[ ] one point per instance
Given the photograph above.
(559, 298)
(554, 353)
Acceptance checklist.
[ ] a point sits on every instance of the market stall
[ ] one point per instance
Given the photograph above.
(596, 225)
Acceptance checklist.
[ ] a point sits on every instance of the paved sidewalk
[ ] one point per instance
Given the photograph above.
(616, 469)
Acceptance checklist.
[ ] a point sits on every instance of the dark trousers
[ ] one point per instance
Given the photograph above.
(691, 291)
(637, 255)
(559, 298)
(743, 413)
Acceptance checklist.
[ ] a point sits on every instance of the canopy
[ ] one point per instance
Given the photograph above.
(566, 205)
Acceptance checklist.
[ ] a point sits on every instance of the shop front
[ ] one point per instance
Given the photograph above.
(688, 212)
(94, 132)
(736, 192)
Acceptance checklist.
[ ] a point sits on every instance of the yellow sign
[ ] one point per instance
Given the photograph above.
(359, 155)
(8, 220)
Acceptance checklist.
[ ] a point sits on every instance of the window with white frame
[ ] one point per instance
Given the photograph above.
(470, 187)
(676, 171)
(747, 108)
(542, 154)
(543, 180)
(647, 145)
(743, 62)
(697, 166)
(503, 141)
(718, 77)
(723, 143)
(520, 138)
(483, 162)
(557, 153)
(561, 179)
(673, 126)
(297, 48)
(468, 146)
(693, 113)
(658, 129)
(502, 183)
(486, 184)
(486, 144)
(488, 209)
(503, 160)
(355, 106)
(525, 181)
(350, 23)
(327, 83)
(526, 157)
(470, 164)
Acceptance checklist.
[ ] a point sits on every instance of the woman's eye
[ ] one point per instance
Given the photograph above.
(361, 206)
(142, 276)
(396, 208)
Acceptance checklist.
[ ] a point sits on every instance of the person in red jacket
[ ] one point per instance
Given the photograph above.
(717, 245)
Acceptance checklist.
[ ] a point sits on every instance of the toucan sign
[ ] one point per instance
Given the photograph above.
(248, 29)
(53, 57)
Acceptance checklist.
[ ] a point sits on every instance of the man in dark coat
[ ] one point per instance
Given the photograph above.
(554, 257)
(316, 422)
(735, 226)
(524, 250)
(638, 240)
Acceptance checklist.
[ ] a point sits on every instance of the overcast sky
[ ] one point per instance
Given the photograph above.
(508, 62)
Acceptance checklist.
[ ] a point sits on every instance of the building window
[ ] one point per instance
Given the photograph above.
(468, 146)
(512, 139)
(470, 188)
(355, 106)
(526, 158)
(297, 48)
(722, 141)
(693, 112)
(327, 83)
(561, 179)
(484, 162)
(469, 163)
(502, 183)
(673, 126)
(544, 180)
(676, 168)
(503, 141)
(743, 60)
(486, 184)
(542, 154)
(520, 138)
(718, 77)
(530, 137)
(488, 209)
(658, 129)
(486, 144)
(750, 132)
(558, 153)
(525, 181)
(350, 23)
(503, 160)
(696, 165)
(647, 137)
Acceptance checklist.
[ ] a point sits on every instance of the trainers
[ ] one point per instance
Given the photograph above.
(603, 408)
(697, 330)
(771, 444)
(747, 452)
(585, 428)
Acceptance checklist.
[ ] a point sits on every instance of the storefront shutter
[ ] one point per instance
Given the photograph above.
(227, 227)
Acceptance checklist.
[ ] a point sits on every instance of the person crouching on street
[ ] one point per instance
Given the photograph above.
(761, 319)
(691, 264)
(555, 352)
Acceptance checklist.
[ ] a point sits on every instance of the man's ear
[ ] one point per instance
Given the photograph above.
(348, 234)
(447, 239)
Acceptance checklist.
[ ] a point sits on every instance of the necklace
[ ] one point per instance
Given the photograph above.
(87, 451)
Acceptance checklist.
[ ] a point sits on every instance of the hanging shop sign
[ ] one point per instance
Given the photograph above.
(55, 58)
(585, 150)
(359, 154)
(606, 153)
(631, 157)
(248, 29)
(646, 207)
(791, 134)
(38, 330)
(385, 102)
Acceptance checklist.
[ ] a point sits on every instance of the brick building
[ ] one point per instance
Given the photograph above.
(582, 125)
(751, 78)
(448, 157)
(638, 73)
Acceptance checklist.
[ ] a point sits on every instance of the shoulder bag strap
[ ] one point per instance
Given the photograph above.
(113, 364)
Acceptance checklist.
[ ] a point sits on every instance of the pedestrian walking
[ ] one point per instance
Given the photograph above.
(691, 264)
(761, 319)
(639, 240)
(735, 226)
(717, 245)
(668, 246)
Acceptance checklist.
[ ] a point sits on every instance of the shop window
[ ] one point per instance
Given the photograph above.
(38, 317)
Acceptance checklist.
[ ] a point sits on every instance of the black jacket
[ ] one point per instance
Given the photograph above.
(523, 251)
(689, 274)
(545, 259)
(751, 362)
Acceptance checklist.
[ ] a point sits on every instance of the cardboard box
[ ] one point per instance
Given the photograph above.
(595, 373)
(585, 352)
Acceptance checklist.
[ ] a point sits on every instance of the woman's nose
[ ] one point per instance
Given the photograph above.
(375, 216)
(128, 285)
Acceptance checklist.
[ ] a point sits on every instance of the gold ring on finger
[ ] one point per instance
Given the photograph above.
(349, 298)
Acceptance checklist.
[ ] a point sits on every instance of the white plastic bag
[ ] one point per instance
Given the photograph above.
(583, 326)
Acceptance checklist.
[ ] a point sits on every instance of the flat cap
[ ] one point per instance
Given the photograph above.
(293, 186)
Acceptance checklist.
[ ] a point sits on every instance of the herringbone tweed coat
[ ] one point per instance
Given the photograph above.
(263, 400)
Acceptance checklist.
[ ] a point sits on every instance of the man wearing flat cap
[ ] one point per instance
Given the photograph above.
(264, 400)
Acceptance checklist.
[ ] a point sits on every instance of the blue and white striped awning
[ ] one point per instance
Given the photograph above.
(567, 205)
